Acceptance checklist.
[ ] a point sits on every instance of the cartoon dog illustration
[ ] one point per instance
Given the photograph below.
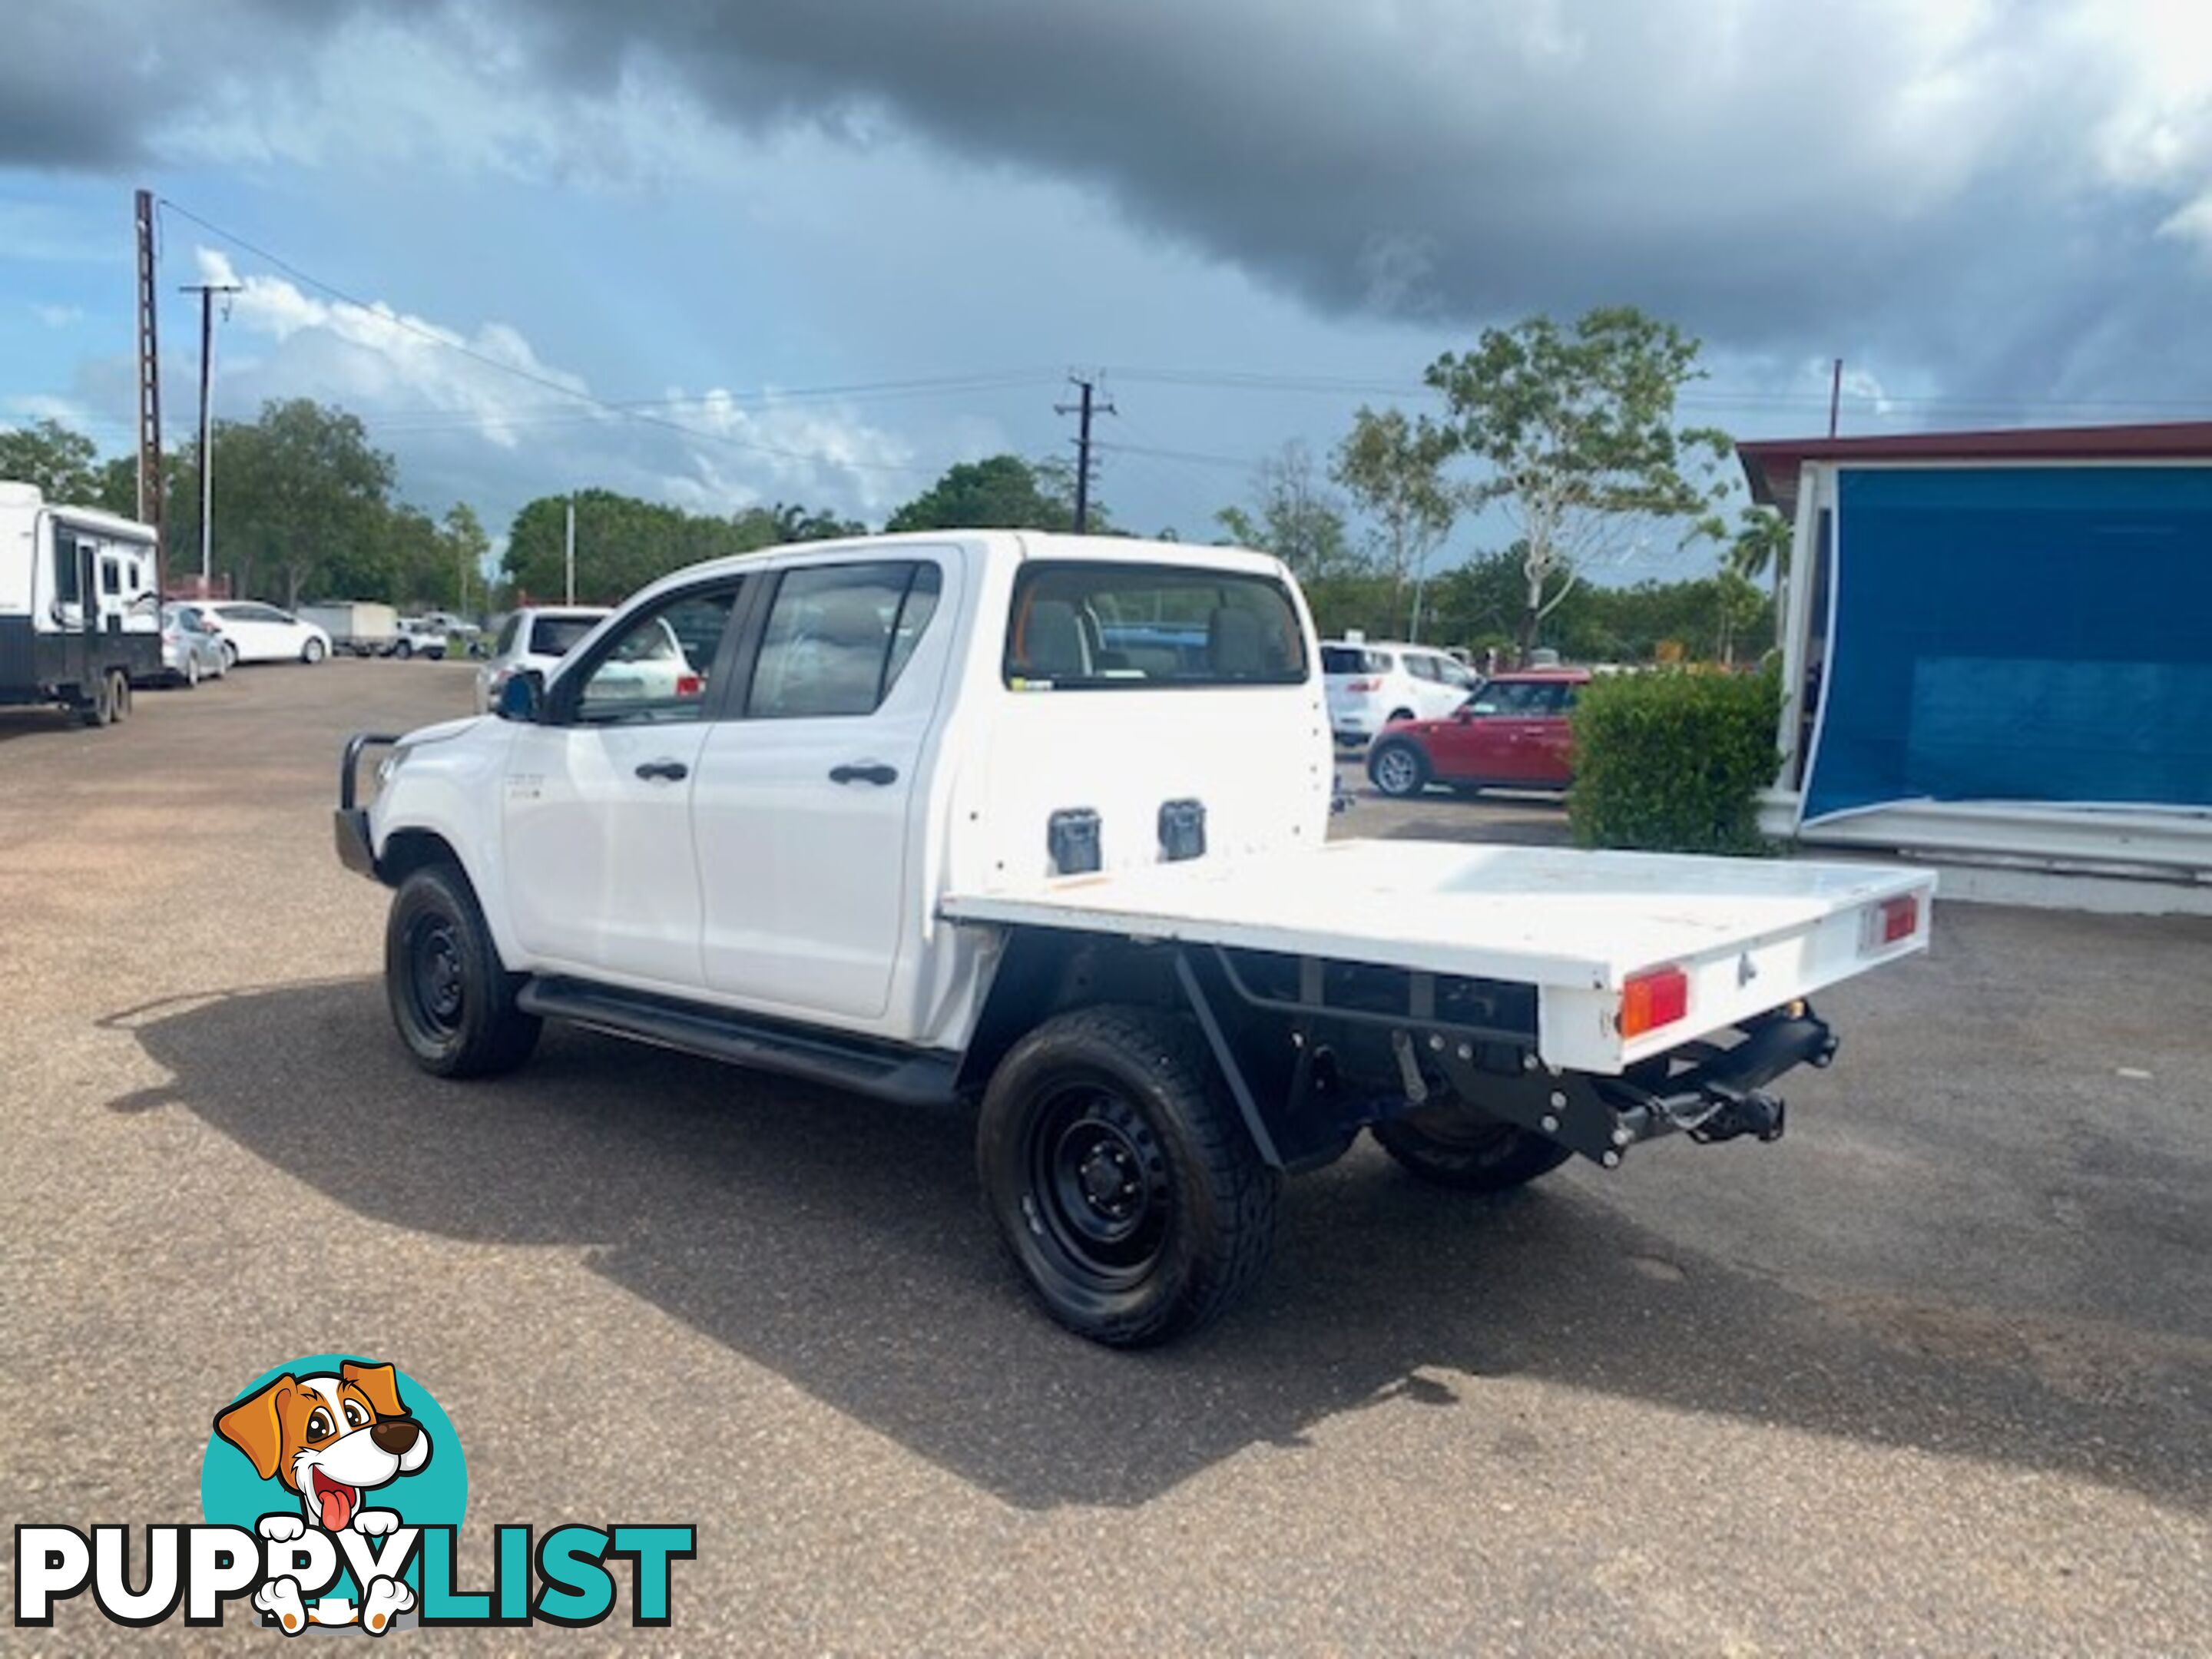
(329, 1438)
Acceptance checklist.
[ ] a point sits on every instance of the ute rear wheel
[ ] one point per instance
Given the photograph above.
(1124, 1189)
(1454, 1145)
(1398, 769)
(452, 998)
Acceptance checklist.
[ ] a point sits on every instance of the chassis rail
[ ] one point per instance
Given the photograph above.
(1308, 1072)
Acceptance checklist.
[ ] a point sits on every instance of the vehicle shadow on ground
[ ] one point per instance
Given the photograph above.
(841, 1244)
(30, 722)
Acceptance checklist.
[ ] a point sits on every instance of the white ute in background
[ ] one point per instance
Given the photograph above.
(1039, 822)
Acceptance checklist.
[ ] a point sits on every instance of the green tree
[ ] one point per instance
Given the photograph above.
(1759, 541)
(115, 487)
(62, 462)
(301, 505)
(787, 522)
(1295, 517)
(1575, 430)
(1001, 492)
(465, 544)
(1393, 469)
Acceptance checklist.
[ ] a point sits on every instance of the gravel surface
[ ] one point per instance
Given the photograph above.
(1934, 1375)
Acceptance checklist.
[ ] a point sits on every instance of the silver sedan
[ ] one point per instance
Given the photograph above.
(191, 650)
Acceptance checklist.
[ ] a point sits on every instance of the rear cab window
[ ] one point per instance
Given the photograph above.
(1087, 625)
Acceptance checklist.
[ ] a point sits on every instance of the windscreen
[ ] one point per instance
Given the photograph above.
(1348, 659)
(1084, 626)
(551, 636)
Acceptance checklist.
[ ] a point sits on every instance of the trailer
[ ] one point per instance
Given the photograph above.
(363, 627)
(80, 605)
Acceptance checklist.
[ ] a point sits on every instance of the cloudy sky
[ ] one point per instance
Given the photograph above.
(725, 251)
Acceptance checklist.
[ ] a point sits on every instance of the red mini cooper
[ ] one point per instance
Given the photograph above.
(1510, 733)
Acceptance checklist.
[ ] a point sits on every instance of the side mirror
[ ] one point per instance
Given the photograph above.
(1464, 712)
(522, 697)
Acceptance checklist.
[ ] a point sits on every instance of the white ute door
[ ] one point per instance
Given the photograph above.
(803, 802)
(596, 816)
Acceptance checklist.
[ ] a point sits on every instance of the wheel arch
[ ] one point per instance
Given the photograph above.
(1044, 972)
(414, 846)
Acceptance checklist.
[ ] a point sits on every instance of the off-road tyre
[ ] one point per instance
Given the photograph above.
(1123, 1186)
(1451, 1145)
(451, 998)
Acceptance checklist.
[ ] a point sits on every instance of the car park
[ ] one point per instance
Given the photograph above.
(1511, 732)
(191, 650)
(1370, 683)
(906, 831)
(255, 632)
(535, 637)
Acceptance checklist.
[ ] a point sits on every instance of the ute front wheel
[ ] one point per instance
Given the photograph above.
(452, 998)
(1454, 1145)
(1130, 1198)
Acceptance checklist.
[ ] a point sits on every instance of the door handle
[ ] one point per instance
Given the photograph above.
(864, 772)
(669, 770)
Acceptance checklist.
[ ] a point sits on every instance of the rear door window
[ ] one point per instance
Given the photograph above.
(838, 637)
(1081, 625)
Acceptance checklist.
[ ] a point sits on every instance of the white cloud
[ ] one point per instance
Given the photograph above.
(483, 414)
(58, 316)
(25, 408)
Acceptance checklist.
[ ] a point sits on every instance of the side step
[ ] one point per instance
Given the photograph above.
(905, 1077)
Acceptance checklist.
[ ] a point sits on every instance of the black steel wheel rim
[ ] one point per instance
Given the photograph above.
(1099, 1191)
(434, 975)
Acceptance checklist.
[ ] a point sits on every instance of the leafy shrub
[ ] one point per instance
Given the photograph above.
(1674, 761)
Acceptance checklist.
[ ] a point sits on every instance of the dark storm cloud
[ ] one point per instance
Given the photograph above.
(1919, 177)
(1922, 178)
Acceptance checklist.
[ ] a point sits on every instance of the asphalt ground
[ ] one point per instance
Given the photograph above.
(1933, 1375)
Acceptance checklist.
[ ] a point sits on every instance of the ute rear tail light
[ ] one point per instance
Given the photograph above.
(690, 686)
(1887, 923)
(1654, 998)
(1363, 685)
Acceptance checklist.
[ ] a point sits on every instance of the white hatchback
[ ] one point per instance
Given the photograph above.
(1372, 682)
(534, 637)
(253, 632)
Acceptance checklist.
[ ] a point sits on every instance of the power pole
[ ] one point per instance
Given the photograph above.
(151, 496)
(1085, 410)
(207, 291)
(571, 553)
(1835, 395)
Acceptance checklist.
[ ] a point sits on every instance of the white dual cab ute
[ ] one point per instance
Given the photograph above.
(1040, 823)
